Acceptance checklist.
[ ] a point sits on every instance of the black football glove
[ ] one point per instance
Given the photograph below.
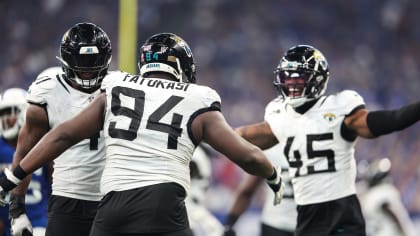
(20, 224)
(276, 184)
(229, 231)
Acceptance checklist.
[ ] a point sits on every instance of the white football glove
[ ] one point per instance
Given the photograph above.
(21, 226)
(276, 184)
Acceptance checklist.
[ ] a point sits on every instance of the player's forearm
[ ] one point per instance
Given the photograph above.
(22, 188)
(385, 121)
(47, 149)
(387, 209)
(255, 163)
(243, 200)
(241, 204)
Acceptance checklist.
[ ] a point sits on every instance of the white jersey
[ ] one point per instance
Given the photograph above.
(200, 181)
(378, 223)
(78, 170)
(322, 163)
(147, 130)
(283, 216)
(202, 221)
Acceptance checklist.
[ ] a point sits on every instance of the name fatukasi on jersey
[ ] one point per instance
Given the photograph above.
(156, 83)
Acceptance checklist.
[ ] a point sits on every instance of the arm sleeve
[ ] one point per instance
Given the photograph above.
(387, 121)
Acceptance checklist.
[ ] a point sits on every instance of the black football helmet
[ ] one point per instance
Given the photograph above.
(377, 171)
(85, 54)
(167, 52)
(302, 75)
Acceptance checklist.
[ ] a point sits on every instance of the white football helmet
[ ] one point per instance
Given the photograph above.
(12, 104)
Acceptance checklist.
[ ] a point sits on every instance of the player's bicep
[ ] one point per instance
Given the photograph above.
(356, 121)
(216, 132)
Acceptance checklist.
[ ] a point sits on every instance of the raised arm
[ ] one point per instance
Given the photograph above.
(213, 128)
(376, 123)
(88, 122)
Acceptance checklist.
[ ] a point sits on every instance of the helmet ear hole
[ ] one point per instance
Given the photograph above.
(167, 52)
(85, 49)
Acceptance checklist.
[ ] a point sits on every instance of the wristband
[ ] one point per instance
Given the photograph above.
(6, 185)
(273, 176)
(19, 173)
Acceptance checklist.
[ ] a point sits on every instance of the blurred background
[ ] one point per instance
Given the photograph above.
(372, 47)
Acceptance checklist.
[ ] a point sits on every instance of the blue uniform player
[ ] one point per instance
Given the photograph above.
(12, 113)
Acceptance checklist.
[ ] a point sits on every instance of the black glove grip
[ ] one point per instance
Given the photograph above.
(275, 187)
(26, 232)
(17, 206)
(229, 232)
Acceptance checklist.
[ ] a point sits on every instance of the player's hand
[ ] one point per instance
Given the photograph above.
(20, 224)
(276, 184)
(229, 232)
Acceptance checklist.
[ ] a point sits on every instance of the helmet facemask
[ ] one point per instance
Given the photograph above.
(10, 122)
(83, 75)
(301, 76)
(85, 55)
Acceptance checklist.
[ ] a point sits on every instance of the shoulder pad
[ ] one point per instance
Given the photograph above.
(350, 99)
(43, 84)
(277, 106)
(111, 77)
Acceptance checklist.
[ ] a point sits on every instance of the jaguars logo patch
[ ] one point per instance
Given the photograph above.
(330, 117)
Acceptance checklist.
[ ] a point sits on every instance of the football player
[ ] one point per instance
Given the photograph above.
(381, 203)
(275, 220)
(13, 107)
(54, 97)
(318, 134)
(202, 221)
(152, 124)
